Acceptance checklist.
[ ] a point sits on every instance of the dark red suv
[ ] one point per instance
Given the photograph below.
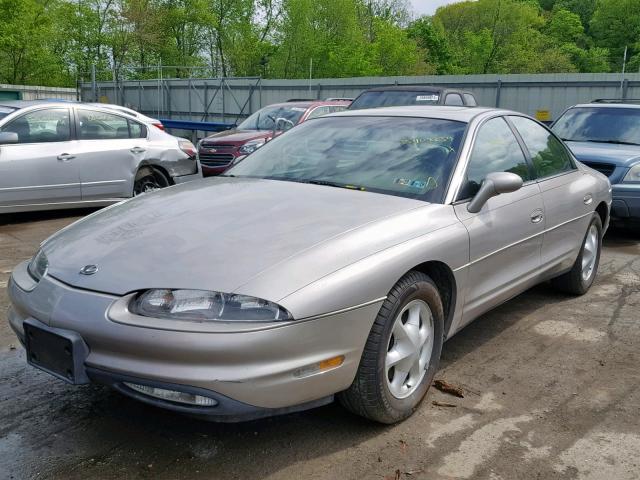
(217, 152)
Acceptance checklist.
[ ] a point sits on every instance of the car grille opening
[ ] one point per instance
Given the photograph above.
(221, 146)
(215, 159)
(604, 168)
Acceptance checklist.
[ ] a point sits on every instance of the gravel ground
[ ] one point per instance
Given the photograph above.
(551, 388)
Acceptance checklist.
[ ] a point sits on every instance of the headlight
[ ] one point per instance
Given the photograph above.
(201, 305)
(251, 146)
(38, 266)
(633, 175)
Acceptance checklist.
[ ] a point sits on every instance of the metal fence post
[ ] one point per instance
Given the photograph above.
(498, 89)
(625, 88)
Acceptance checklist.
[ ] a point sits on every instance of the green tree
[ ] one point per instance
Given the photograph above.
(616, 24)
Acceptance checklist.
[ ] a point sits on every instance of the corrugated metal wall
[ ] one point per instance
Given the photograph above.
(28, 92)
(228, 100)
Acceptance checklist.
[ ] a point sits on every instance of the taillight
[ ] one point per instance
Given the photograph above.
(159, 125)
(187, 147)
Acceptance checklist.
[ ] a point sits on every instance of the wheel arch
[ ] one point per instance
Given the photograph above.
(603, 211)
(147, 164)
(445, 281)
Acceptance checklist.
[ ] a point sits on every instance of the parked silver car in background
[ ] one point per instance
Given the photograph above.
(335, 259)
(65, 154)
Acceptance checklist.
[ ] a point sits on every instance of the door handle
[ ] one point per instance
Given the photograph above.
(536, 216)
(137, 150)
(65, 157)
(588, 198)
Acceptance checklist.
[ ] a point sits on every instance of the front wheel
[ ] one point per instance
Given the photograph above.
(579, 279)
(402, 352)
(147, 180)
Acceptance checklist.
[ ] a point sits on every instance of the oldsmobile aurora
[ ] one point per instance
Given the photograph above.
(333, 261)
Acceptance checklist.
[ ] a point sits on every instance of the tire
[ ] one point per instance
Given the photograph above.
(373, 393)
(147, 180)
(578, 280)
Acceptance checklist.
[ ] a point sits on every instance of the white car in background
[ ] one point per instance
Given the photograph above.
(57, 154)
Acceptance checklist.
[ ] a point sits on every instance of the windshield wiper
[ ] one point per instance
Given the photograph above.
(616, 142)
(329, 183)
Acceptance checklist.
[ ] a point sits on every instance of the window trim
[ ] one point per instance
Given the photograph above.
(458, 201)
(72, 127)
(528, 153)
(127, 118)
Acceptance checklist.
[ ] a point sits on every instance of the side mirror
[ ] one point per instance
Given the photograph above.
(8, 137)
(494, 184)
(283, 124)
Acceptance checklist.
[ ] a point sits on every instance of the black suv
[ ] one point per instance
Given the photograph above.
(402, 95)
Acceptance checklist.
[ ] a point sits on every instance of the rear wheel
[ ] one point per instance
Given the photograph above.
(147, 180)
(579, 279)
(402, 352)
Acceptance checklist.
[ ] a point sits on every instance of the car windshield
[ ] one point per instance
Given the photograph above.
(390, 98)
(402, 156)
(4, 111)
(600, 124)
(265, 118)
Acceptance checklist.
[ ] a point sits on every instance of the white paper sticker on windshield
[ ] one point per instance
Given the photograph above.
(298, 109)
(427, 98)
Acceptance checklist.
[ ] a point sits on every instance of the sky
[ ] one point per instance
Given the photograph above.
(428, 7)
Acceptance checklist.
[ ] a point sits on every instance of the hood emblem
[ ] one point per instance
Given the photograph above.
(88, 270)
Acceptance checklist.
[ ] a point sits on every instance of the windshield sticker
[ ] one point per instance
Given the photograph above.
(424, 185)
(427, 98)
(298, 109)
(439, 141)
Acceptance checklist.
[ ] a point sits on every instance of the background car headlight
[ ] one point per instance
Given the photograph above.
(38, 266)
(633, 175)
(202, 305)
(251, 146)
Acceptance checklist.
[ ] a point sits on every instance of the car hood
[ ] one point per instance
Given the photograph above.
(218, 234)
(240, 136)
(620, 155)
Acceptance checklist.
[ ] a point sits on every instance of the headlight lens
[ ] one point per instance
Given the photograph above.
(633, 175)
(251, 146)
(202, 305)
(38, 266)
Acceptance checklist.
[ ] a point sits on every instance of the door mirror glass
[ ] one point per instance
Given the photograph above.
(283, 124)
(494, 184)
(8, 138)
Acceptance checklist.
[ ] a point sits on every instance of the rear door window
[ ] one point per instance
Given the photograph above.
(470, 100)
(97, 125)
(548, 155)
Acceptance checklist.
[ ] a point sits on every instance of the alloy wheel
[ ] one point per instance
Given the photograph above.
(409, 349)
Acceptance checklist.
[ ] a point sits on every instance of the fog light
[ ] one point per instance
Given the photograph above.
(173, 395)
(323, 366)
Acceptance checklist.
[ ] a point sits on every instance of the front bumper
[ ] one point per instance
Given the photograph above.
(626, 202)
(258, 368)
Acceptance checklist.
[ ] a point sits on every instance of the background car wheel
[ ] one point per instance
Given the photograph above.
(402, 352)
(149, 179)
(579, 279)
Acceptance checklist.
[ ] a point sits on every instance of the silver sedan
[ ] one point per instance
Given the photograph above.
(333, 261)
(62, 155)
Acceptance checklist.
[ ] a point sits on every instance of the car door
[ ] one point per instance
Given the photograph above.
(566, 192)
(505, 236)
(40, 168)
(110, 148)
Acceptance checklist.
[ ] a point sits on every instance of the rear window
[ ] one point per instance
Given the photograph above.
(394, 98)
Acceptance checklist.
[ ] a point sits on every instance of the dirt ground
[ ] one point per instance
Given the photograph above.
(552, 391)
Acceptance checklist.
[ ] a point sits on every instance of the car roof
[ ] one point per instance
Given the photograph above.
(456, 113)
(310, 103)
(413, 88)
(606, 105)
(29, 103)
